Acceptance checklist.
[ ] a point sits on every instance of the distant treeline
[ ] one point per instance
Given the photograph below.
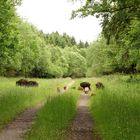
(27, 51)
(33, 53)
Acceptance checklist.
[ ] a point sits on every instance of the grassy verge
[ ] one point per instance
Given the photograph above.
(116, 109)
(54, 118)
(14, 100)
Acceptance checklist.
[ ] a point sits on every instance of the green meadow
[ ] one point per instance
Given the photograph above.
(14, 99)
(116, 108)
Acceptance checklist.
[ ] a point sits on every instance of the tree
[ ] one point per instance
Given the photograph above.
(81, 44)
(41, 69)
(77, 65)
(60, 40)
(86, 44)
(98, 58)
(120, 21)
(30, 47)
(58, 64)
(128, 55)
(116, 15)
(8, 35)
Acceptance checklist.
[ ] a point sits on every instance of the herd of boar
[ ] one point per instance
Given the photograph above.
(98, 85)
(24, 82)
(83, 85)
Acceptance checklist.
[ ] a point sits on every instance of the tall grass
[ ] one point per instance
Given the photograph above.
(14, 100)
(116, 109)
(54, 118)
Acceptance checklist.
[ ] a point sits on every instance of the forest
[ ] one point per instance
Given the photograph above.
(29, 52)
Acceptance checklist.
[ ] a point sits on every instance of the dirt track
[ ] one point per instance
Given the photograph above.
(17, 129)
(82, 125)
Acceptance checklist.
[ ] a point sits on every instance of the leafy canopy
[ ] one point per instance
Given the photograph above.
(115, 15)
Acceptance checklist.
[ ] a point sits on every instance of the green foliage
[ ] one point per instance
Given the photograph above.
(121, 28)
(116, 15)
(26, 51)
(8, 35)
(100, 58)
(64, 40)
(60, 40)
(58, 66)
(107, 59)
(29, 47)
(138, 67)
(77, 65)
